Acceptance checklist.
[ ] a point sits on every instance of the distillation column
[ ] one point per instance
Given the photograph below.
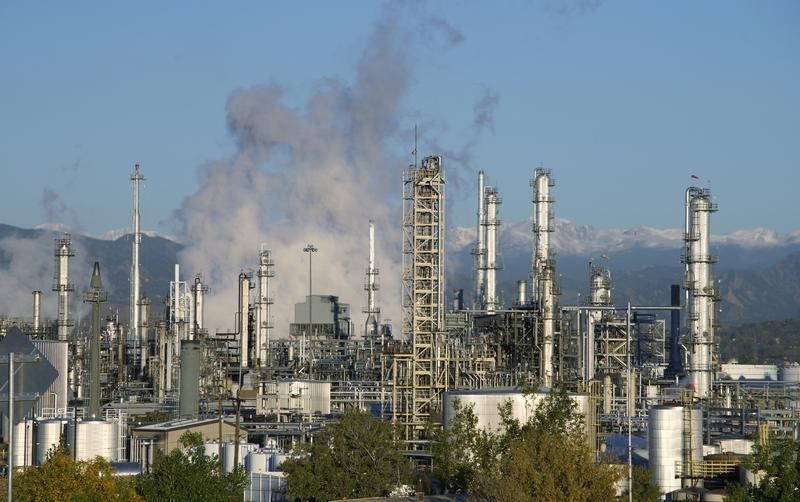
(61, 284)
(599, 296)
(543, 274)
(423, 288)
(701, 293)
(263, 303)
(242, 320)
(491, 262)
(136, 338)
(479, 297)
(371, 286)
(198, 308)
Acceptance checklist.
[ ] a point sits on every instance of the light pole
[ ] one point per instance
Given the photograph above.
(308, 249)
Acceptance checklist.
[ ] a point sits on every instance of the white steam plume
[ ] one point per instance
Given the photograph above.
(315, 175)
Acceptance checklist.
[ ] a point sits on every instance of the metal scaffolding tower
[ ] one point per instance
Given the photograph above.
(423, 288)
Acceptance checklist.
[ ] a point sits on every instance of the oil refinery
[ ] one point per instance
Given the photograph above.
(647, 378)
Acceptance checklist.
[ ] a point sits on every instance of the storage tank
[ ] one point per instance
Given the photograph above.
(665, 445)
(277, 461)
(258, 461)
(92, 438)
(228, 455)
(48, 438)
(211, 449)
(791, 373)
(23, 443)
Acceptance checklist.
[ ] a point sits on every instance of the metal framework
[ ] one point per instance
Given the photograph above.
(423, 288)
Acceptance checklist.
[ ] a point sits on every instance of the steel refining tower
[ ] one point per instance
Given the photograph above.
(242, 320)
(599, 296)
(491, 262)
(266, 270)
(95, 296)
(371, 286)
(423, 286)
(136, 177)
(198, 312)
(178, 316)
(479, 297)
(543, 280)
(62, 285)
(701, 293)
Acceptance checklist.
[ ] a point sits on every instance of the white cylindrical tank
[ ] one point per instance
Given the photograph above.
(258, 461)
(48, 438)
(23, 443)
(277, 461)
(92, 438)
(228, 455)
(211, 449)
(665, 445)
(791, 373)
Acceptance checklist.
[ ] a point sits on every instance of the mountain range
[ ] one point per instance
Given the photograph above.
(758, 269)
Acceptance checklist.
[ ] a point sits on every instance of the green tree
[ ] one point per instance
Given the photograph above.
(60, 478)
(462, 452)
(547, 458)
(355, 457)
(644, 489)
(777, 462)
(188, 474)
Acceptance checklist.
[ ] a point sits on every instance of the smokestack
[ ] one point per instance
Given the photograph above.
(242, 323)
(61, 284)
(134, 299)
(675, 366)
(371, 286)
(189, 399)
(95, 296)
(37, 311)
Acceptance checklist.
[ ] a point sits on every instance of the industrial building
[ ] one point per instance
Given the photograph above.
(635, 370)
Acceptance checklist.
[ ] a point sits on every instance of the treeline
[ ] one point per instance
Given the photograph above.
(764, 342)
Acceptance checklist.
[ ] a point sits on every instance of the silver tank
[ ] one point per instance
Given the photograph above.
(665, 445)
(92, 438)
(228, 454)
(23, 443)
(48, 438)
(258, 461)
(791, 373)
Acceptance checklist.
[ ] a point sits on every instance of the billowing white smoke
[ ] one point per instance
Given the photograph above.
(27, 264)
(315, 175)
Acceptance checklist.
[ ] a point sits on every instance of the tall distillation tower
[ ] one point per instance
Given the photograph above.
(543, 273)
(243, 320)
(61, 284)
(701, 295)
(371, 326)
(423, 287)
(492, 263)
(479, 296)
(263, 304)
(136, 337)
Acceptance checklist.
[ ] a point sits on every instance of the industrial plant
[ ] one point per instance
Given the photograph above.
(647, 379)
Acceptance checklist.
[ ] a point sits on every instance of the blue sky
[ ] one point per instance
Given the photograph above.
(622, 100)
